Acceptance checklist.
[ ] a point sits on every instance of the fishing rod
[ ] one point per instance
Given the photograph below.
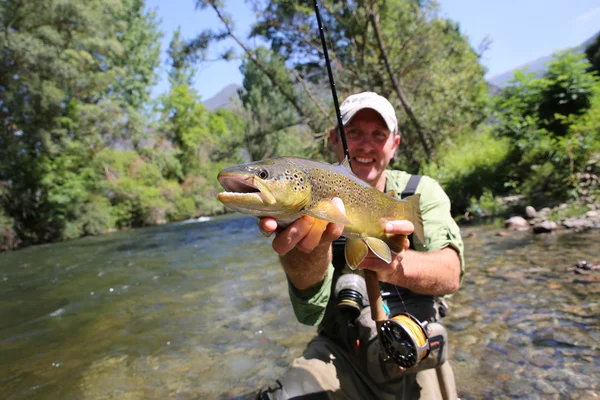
(403, 338)
(377, 311)
(332, 84)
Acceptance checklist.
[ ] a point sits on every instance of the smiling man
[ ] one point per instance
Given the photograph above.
(340, 362)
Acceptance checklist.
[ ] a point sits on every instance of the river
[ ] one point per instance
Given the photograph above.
(200, 310)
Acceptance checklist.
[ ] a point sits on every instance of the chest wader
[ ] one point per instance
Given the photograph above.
(348, 319)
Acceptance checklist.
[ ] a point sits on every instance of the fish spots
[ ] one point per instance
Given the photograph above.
(296, 178)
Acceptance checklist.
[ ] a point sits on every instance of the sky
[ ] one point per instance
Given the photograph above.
(519, 31)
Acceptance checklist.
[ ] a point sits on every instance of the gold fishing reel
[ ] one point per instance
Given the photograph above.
(404, 340)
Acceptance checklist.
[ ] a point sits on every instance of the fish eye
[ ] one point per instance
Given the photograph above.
(262, 173)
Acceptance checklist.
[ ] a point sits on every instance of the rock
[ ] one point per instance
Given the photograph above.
(544, 387)
(592, 214)
(575, 223)
(530, 212)
(544, 227)
(516, 223)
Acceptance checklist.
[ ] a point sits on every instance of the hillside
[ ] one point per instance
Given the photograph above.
(537, 66)
(223, 98)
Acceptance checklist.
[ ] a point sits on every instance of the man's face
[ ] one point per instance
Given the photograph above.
(370, 144)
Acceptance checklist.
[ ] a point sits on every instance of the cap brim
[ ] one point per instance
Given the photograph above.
(347, 117)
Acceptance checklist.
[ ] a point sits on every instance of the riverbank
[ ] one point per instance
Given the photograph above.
(565, 216)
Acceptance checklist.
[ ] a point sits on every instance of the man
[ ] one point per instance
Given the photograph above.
(334, 366)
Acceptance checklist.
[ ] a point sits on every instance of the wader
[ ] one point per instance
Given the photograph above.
(344, 362)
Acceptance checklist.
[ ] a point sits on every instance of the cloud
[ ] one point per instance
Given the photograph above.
(589, 15)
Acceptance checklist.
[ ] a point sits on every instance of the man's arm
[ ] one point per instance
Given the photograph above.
(435, 273)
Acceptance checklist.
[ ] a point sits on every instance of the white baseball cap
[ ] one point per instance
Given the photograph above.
(356, 102)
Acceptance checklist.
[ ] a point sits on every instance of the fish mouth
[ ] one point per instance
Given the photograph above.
(244, 191)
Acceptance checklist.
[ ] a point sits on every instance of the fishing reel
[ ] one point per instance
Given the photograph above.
(350, 291)
(405, 340)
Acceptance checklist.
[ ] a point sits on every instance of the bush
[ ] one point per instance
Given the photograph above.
(554, 127)
(91, 218)
(476, 163)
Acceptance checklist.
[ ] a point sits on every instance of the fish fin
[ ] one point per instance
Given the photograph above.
(392, 193)
(397, 242)
(346, 163)
(355, 251)
(379, 248)
(327, 211)
(414, 203)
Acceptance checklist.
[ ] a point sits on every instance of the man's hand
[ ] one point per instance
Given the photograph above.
(384, 270)
(304, 246)
(305, 234)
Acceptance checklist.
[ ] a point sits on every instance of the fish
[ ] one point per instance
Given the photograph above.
(286, 188)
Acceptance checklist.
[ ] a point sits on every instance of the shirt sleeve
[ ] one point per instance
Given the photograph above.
(440, 228)
(309, 305)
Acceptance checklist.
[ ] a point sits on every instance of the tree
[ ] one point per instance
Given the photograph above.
(552, 123)
(272, 124)
(400, 49)
(593, 54)
(65, 96)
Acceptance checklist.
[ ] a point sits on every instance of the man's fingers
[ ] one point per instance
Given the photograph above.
(313, 238)
(267, 226)
(287, 239)
(399, 227)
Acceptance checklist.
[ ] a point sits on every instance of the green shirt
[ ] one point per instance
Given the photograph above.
(440, 231)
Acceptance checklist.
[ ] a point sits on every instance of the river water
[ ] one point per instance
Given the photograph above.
(200, 310)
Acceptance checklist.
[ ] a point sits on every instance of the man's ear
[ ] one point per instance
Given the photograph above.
(333, 136)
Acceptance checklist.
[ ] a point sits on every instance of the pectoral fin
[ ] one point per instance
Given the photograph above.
(379, 248)
(327, 211)
(357, 249)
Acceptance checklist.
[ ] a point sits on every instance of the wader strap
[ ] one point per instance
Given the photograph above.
(389, 290)
(411, 186)
(409, 190)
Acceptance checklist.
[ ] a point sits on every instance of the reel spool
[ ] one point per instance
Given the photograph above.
(404, 340)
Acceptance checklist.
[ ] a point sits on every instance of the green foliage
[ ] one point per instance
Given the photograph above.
(592, 53)
(473, 166)
(438, 71)
(93, 217)
(67, 91)
(273, 126)
(554, 127)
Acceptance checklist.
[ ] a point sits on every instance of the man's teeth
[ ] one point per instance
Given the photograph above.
(364, 160)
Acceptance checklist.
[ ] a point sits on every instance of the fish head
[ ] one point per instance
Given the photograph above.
(273, 187)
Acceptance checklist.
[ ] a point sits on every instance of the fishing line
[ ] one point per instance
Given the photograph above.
(332, 84)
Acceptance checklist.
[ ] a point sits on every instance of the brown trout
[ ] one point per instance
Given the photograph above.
(285, 188)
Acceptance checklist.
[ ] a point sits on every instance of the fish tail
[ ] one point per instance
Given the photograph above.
(414, 206)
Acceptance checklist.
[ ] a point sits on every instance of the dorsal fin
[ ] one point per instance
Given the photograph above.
(346, 163)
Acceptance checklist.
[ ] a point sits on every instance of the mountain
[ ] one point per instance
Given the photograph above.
(537, 66)
(223, 98)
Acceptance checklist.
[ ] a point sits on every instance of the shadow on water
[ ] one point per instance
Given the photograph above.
(200, 310)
